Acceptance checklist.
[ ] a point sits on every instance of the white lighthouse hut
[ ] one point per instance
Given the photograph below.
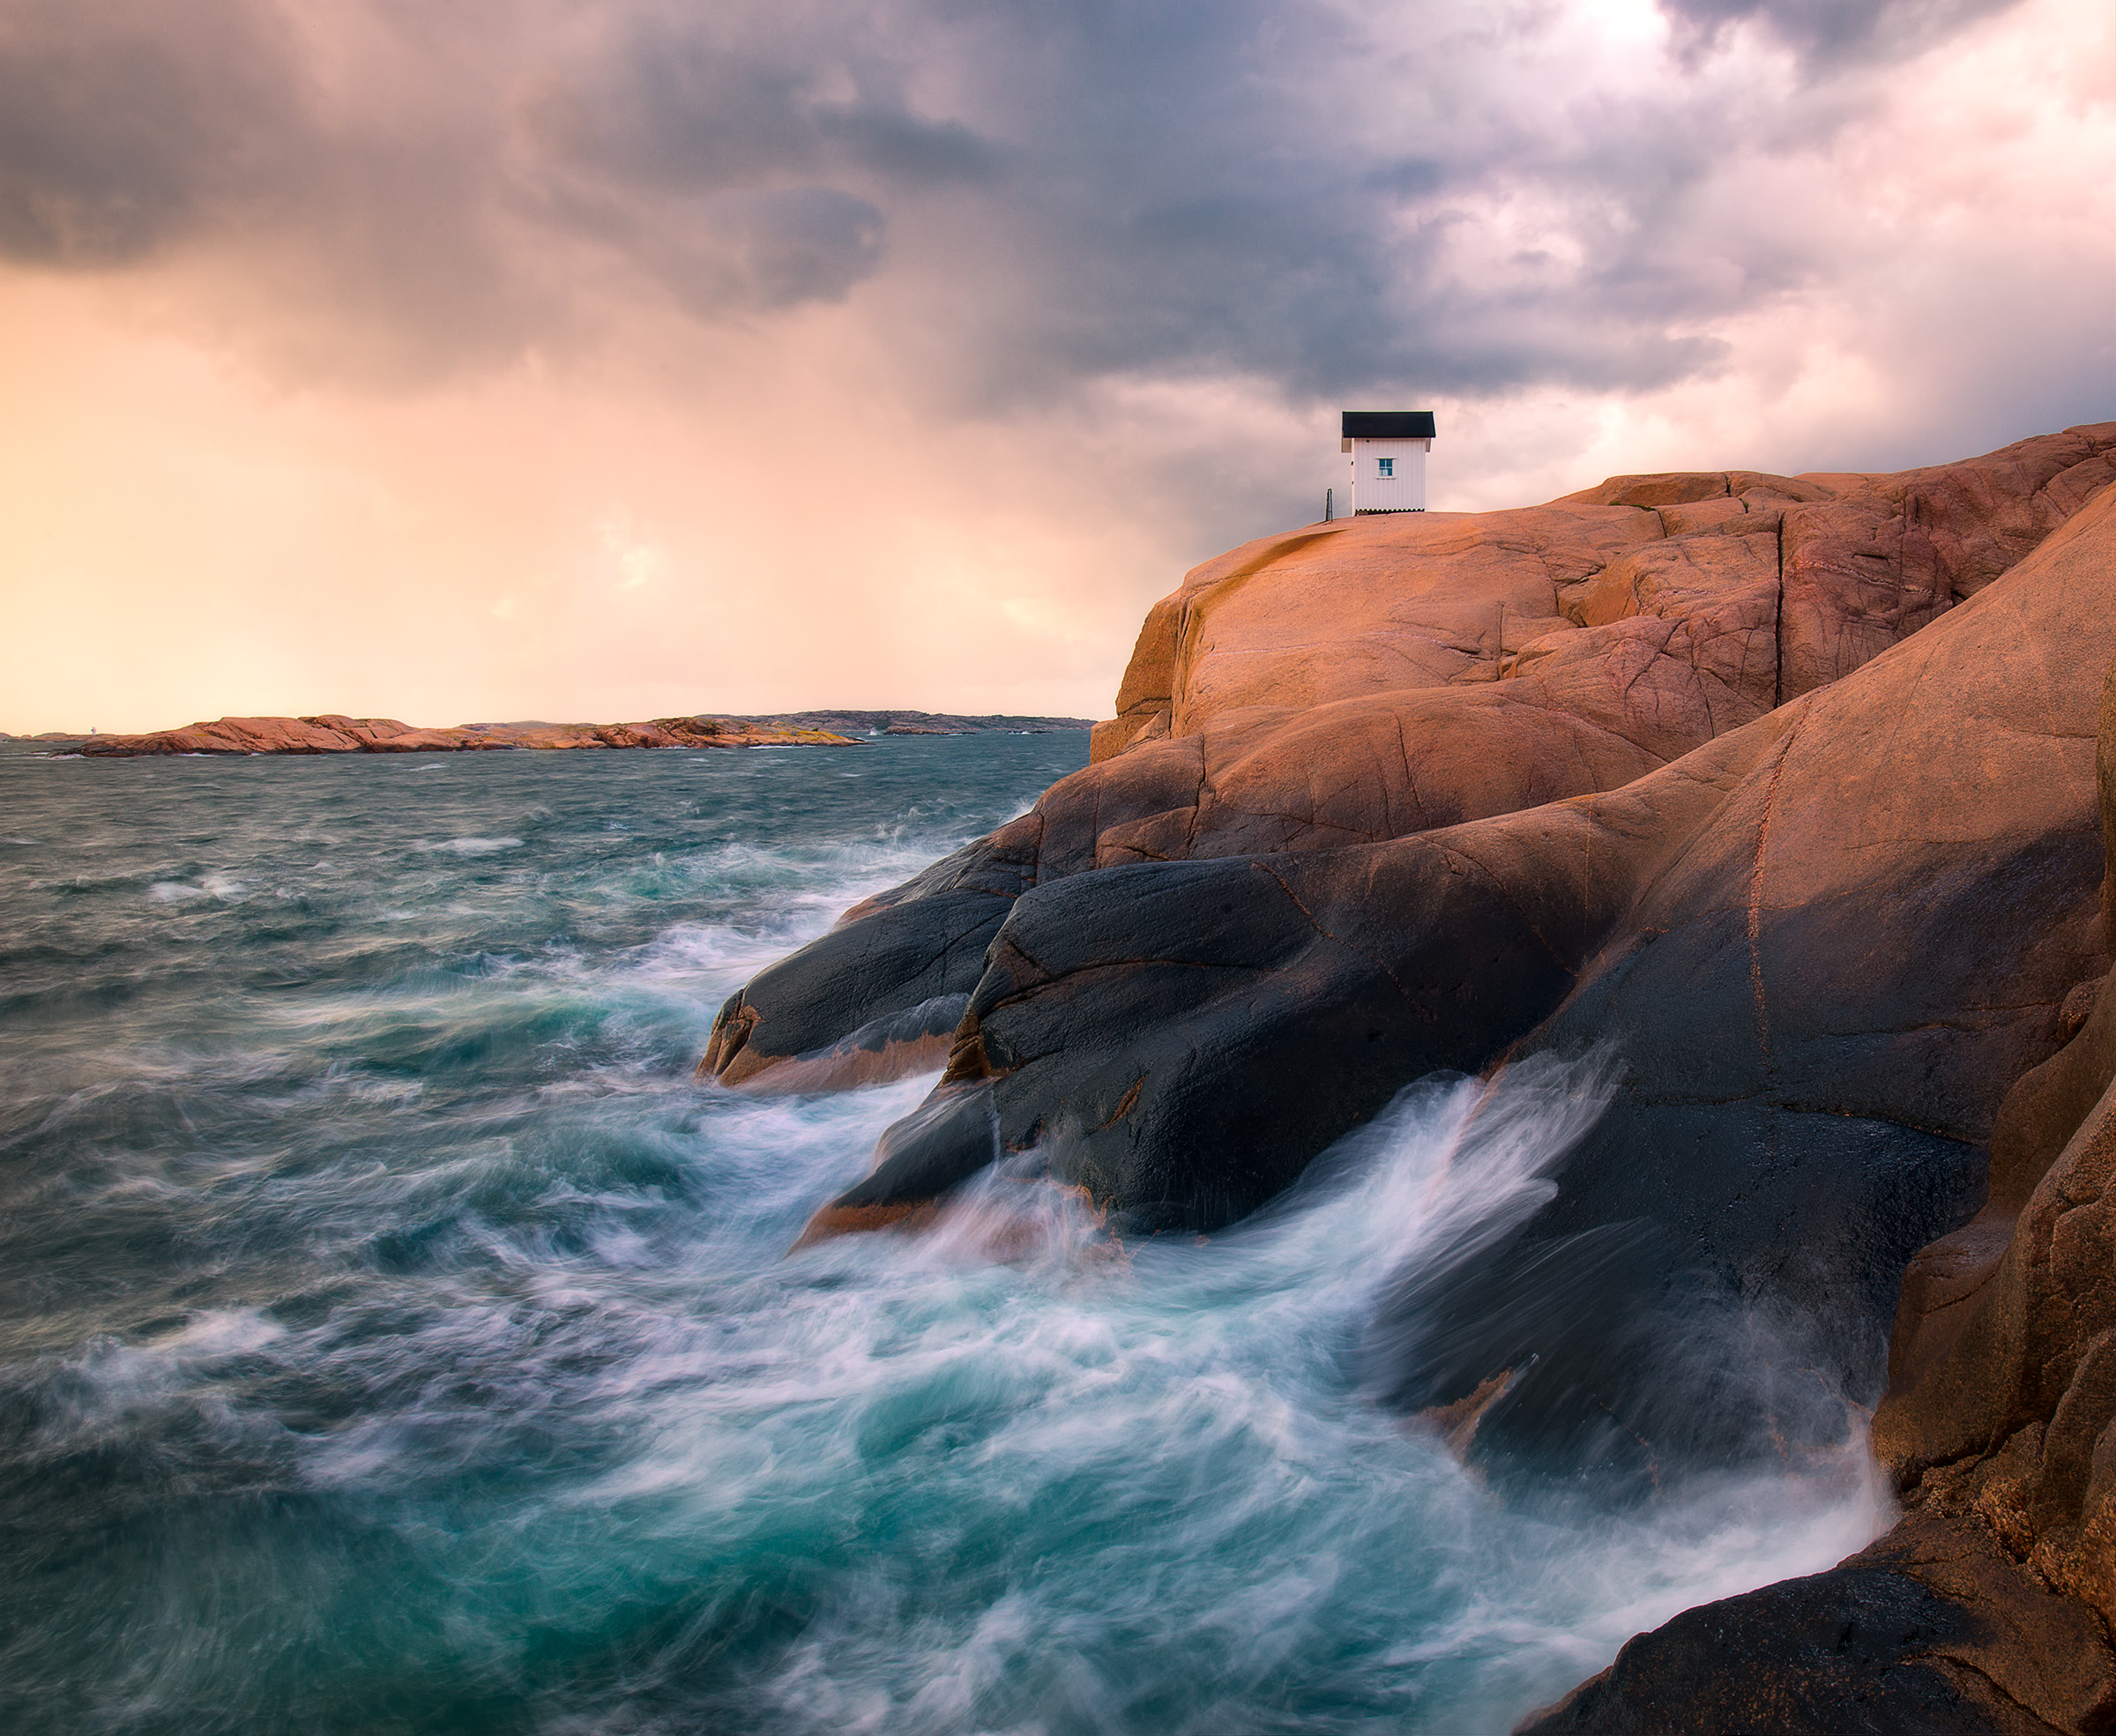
(1388, 450)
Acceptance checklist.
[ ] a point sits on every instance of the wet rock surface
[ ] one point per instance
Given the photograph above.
(1927, 1633)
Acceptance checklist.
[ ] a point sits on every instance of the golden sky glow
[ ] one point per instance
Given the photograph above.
(405, 368)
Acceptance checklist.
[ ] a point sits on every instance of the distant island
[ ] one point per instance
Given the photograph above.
(329, 733)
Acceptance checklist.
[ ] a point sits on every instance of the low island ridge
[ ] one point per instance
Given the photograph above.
(331, 732)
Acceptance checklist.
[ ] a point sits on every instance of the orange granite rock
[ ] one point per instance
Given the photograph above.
(1784, 793)
(1989, 1608)
(1385, 676)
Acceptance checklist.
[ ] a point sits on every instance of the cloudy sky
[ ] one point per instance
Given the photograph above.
(615, 358)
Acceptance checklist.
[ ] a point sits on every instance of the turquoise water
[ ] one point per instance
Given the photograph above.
(393, 1337)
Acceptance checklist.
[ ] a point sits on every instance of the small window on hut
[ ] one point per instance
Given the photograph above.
(1387, 466)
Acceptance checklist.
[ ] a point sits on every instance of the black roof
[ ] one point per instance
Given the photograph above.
(1389, 425)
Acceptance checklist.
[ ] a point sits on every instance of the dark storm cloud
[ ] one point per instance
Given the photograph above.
(1059, 192)
(119, 132)
(767, 251)
(1830, 27)
(740, 167)
(1270, 188)
(685, 102)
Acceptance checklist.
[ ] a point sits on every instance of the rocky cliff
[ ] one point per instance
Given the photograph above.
(1780, 789)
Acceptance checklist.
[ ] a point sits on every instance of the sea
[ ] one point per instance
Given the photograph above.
(396, 1337)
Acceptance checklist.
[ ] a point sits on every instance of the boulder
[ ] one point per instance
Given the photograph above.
(1848, 951)
(2000, 1422)
(1821, 1003)
(1930, 1632)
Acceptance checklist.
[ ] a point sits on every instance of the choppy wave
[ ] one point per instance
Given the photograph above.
(394, 1337)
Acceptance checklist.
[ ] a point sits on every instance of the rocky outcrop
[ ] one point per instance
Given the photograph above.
(1823, 944)
(1933, 1631)
(1389, 676)
(331, 734)
(1781, 790)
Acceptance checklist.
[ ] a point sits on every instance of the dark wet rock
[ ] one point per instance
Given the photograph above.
(1926, 1634)
(1709, 1287)
(1144, 1026)
(913, 947)
(948, 1139)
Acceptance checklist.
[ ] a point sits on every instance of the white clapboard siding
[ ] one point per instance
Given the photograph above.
(1403, 492)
